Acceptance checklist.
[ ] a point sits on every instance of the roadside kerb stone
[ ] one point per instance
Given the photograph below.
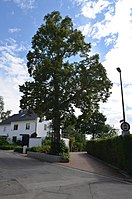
(44, 157)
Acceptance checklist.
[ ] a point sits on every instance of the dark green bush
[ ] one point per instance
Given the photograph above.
(7, 147)
(63, 151)
(116, 151)
(65, 157)
(3, 141)
(18, 149)
(35, 149)
(40, 149)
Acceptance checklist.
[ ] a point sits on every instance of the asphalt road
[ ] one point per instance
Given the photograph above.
(25, 178)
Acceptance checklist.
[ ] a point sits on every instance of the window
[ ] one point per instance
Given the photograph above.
(15, 126)
(45, 127)
(27, 126)
(4, 128)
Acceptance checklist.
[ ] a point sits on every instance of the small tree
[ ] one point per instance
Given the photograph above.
(3, 115)
(95, 124)
(58, 83)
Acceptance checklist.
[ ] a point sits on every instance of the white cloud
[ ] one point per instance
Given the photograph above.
(119, 56)
(112, 22)
(13, 30)
(85, 29)
(13, 72)
(24, 4)
(91, 8)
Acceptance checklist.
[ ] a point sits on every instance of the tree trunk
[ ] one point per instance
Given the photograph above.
(56, 120)
(56, 134)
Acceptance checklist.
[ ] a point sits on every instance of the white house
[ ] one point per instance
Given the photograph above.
(22, 126)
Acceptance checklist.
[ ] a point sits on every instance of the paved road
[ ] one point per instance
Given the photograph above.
(26, 178)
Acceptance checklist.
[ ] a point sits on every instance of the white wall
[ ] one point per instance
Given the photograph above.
(41, 130)
(22, 128)
(5, 130)
(66, 140)
(35, 142)
(35, 126)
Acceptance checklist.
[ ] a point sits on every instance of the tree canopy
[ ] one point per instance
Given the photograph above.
(64, 75)
(94, 125)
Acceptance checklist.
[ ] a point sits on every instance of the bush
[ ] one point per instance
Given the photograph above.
(116, 151)
(18, 149)
(40, 149)
(7, 147)
(3, 141)
(34, 149)
(46, 141)
(65, 157)
(62, 150)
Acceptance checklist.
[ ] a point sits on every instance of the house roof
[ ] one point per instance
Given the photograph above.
(21, 116)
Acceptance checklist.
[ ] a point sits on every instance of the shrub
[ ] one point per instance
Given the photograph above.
(46, 141)
(46, 149)
(18, 149)
(7, 147)
(65, 157)
(116, 151)
(40, 149)
(3, 141)
(34, 149)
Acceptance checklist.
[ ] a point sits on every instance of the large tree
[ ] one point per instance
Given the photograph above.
(63, 73)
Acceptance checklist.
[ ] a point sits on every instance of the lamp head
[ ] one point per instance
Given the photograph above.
(118, 69)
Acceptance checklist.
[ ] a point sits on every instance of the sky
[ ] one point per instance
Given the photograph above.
(106, 24)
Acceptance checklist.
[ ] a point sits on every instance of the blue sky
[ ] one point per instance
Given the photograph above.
(107, 24)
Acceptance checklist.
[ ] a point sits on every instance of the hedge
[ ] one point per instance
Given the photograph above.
(7, 147)
(116, 151)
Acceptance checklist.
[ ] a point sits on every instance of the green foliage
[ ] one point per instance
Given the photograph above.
(60, 148)
(3, 141)
(40, 149)
(116, 151)
(4, 145)
(76, 137)
(46, 141)
(18, 149)
(94, 124)
(8, 147)
(63, 151)
(3, 115)
(1, 104)
(65, 157)
(59, 83)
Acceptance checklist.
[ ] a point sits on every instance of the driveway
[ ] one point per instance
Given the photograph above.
(86, 162)
(25, 178)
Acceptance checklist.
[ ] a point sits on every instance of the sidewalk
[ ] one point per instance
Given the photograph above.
(85, 162)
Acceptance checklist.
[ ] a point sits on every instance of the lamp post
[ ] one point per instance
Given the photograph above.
(124, 126)
(123, 109)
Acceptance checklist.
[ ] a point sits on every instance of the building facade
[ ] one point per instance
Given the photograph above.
(22, 125)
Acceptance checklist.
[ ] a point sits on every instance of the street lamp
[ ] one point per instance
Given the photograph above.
(124, 125)
(123, 109)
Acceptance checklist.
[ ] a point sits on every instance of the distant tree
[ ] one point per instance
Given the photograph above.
(107, 131)
(1, 104)
(60, 82)
(3, 115)
(95, 124)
